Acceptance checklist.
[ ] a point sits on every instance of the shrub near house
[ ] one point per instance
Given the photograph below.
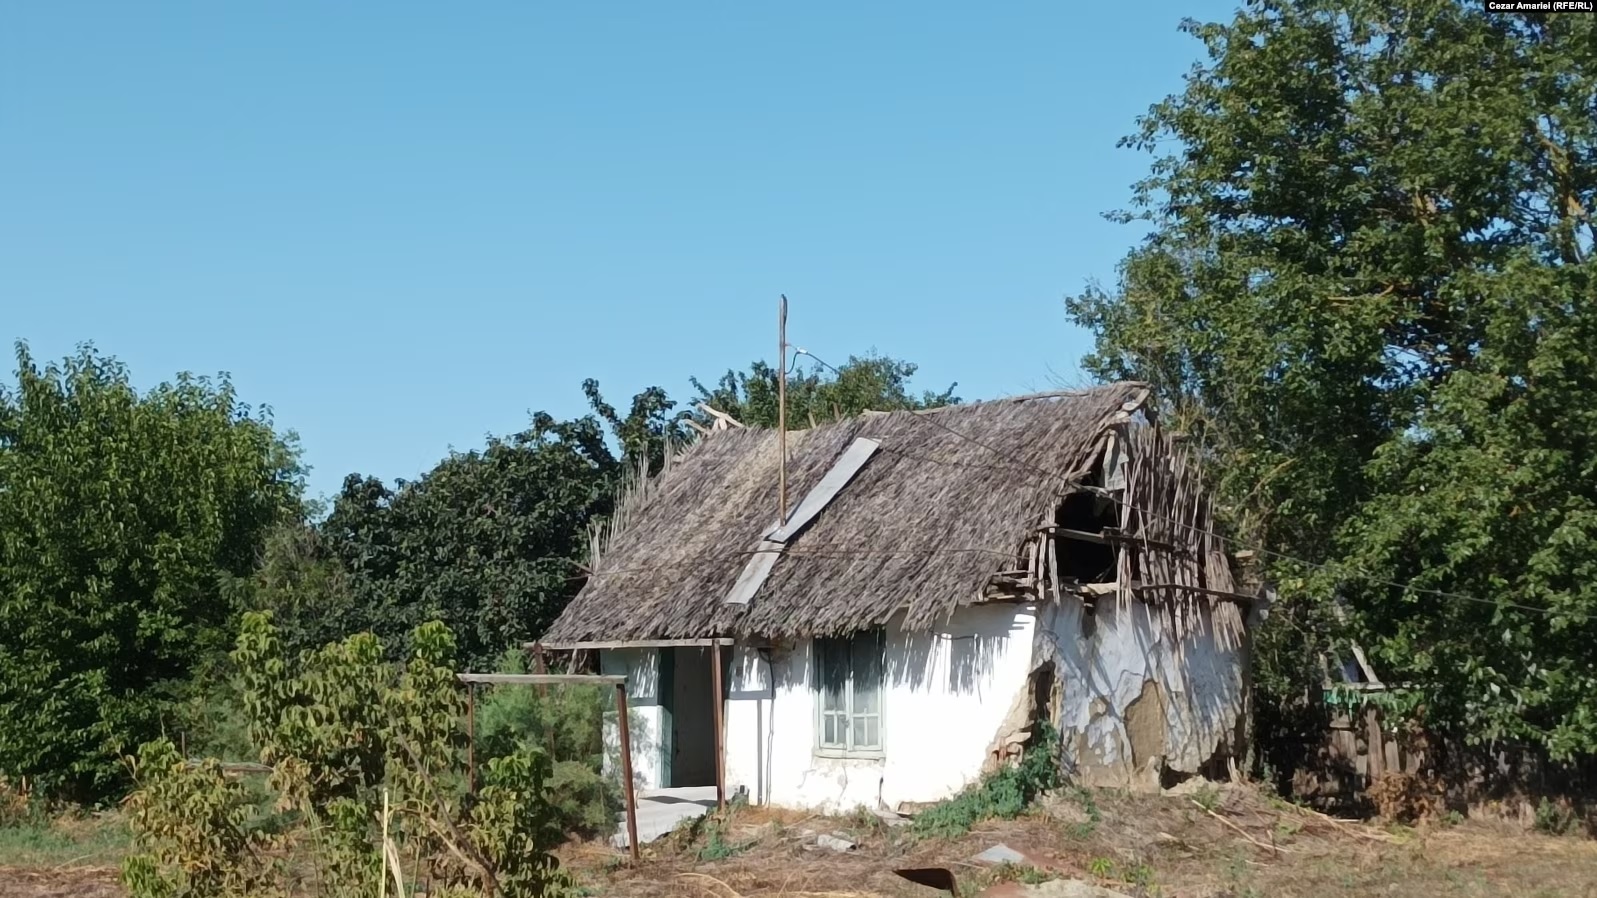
(365, 768)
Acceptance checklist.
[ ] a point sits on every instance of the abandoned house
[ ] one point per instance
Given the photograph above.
(943, 582)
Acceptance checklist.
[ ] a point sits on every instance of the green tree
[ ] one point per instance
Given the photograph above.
(650, 429)
(120, 515)
(817, 393)
(301, 580)
(1367, 293)
(493, 542)
(488, 541)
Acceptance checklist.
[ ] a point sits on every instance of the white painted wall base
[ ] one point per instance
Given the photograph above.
(1134, 699)
(641, 667)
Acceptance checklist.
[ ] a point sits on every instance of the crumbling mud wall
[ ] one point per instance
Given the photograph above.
(1141, 622)
(1142, 699)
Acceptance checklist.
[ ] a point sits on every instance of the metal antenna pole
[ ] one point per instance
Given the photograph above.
(781, 410)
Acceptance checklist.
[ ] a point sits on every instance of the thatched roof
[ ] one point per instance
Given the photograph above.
(949, 498)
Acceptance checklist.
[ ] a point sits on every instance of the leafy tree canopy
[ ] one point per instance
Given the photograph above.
(1368, 293)
(484, 542)
(492, 542)
(120, 514)
(817, 393)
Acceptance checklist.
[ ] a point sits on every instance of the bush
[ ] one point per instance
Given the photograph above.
(1554, 818)
(354, 742)
(566, 722)
(1407, 798)
(716, 847)
(20, 808)
(1005, 794)
(515, 835)
(211, 721)
(189, 820)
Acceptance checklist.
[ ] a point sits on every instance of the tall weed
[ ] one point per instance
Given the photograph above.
(1005, 794)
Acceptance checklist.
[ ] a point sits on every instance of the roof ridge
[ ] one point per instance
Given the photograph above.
(1071, 393)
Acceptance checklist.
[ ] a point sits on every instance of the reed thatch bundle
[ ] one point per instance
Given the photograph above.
(951, 496)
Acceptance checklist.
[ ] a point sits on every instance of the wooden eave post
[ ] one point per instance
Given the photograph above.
(626, 768)
(720, 736)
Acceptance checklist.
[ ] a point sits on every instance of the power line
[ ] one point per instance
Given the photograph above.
(790, 552)
(805, 352)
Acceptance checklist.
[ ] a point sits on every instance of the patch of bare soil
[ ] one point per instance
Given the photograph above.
(1209, 843)
(60, 882)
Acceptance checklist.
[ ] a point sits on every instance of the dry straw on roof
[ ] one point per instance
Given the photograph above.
(951, 497)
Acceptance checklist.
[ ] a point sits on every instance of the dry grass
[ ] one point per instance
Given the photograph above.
(1231, 843)
(66, 841)
(71, 882)
(719, 889)
(1217, 843)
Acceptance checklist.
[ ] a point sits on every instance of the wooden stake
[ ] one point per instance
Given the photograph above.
(471, 739)
(781, 411)
(720, 737)
(1375, 745)
(541, 666)
(626, 768)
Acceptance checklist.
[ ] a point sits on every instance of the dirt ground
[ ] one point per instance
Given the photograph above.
(1219, 844)
(62, 882)
(66, 857)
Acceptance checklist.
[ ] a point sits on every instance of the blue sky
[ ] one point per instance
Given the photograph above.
(403, 226)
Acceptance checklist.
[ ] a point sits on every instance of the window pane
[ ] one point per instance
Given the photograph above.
(866, 649)
(849, 677)
(832, 673)
(866, 732)
(867, 697)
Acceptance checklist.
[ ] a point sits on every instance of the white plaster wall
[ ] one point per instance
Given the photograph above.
(948, 693)
(945, 696)
(1195, 682)
(641, 667)
(749, 724)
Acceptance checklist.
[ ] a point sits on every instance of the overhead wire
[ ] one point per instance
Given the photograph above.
(799, 350)
(791, 552)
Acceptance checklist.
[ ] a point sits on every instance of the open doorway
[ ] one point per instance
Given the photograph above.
(688, 728)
